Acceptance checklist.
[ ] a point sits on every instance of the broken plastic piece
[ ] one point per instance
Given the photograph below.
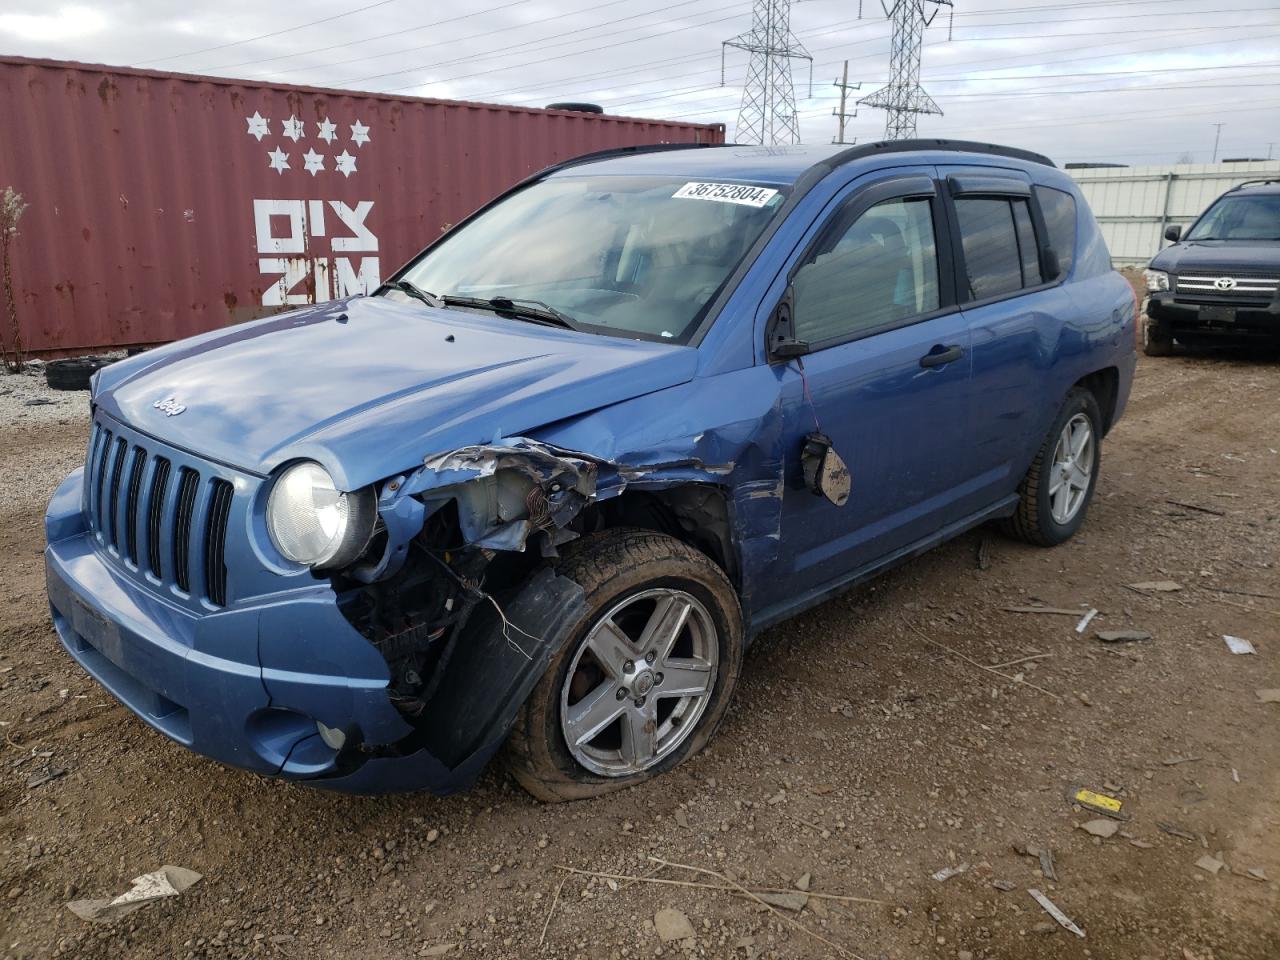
(1238, 644)
(168, 881)
(1086, 619)
(1051, 908)
(1098, 802)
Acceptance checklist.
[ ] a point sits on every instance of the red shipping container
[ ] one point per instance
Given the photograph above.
(162, 205)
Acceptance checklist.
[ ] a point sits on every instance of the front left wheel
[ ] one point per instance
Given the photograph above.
(642, 680)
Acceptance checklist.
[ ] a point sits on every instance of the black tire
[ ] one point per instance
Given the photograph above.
(1033, 521)
(1157, 340)
(611, 566)
(73, 374)
(575, 107)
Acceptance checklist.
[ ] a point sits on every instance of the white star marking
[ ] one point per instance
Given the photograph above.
(359, 134)
(259, 126)
(279, 160)
(313, 163)
(345, 163)
(328, 130)
(294, 129)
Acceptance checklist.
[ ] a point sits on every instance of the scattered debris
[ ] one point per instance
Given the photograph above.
(1101, 803)
(168, 881)
(1051, 908)
(1235, 775)
(1046, 865)
(1055, 611)
(1004, 886)
(439, 950)
(1174, 761)
(1269, 696)
(1238, 645)
(1122, 636)
(1210, 864)
(1086, 620)
(1101, 828)
(1156, 586)
(1174, 830)
(803, 882)
(946, 873)
(787, 901)
(1212, 511)
(1257, 873)
(39, 402)
(1141, 844)
(984, 554)
(40, 779)
(672, 925)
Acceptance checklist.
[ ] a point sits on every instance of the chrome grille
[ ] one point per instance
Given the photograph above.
(1233, 285)
(157, 518)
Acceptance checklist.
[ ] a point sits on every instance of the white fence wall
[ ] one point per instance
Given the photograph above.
(1135, 204)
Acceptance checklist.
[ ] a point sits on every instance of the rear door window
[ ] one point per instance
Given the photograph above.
(999, 243)
(990, 244)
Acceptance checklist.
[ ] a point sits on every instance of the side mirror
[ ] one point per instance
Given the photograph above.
(780, 338)
(1173, 233)
(825, 472)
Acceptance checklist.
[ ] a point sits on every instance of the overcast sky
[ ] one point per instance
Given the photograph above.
(1094, 80)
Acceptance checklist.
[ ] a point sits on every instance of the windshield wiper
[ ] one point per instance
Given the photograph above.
(409, 288)
(535, 310)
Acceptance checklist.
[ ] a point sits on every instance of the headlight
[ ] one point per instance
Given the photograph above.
(312, 522)
(1157, 280)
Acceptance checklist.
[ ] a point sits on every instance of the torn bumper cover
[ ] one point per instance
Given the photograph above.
(247, 686)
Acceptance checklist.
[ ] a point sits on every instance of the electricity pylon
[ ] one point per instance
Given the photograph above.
(768, 111)
(904, 99)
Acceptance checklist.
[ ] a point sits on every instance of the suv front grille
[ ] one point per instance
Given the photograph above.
(1261, 289)
(147, 515)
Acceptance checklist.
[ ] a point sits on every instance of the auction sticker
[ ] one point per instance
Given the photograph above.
(741, 193)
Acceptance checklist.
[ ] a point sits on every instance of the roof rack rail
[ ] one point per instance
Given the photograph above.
(1255, 183)
(966, 146)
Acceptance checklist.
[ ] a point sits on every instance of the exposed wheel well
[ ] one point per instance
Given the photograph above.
(695, 513)
(1104, 385)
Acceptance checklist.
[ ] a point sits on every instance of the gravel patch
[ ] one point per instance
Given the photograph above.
(39, 421)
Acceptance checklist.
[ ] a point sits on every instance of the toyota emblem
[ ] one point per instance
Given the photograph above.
(1225, 283)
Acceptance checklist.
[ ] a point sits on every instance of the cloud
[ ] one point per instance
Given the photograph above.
(65, 26)
(1119, 80)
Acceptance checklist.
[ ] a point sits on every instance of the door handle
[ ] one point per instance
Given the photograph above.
(940, 355)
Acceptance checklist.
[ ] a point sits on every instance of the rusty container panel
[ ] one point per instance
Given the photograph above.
(162, 205)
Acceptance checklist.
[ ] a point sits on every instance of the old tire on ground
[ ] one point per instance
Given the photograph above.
(73, 374)
(630, 716)
(1055, 493)
(1157, 340)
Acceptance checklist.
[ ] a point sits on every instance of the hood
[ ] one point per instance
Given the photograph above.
(369, 387)
(1219, 256)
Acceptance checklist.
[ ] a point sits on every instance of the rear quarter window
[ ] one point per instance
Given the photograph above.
(1059, 210)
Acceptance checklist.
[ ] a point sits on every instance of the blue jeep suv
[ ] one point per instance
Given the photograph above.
(539, 491)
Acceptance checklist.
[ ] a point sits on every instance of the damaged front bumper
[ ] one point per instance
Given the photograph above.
(248, 685)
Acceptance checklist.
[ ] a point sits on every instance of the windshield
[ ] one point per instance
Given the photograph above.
(629, 256)
(1240, 218)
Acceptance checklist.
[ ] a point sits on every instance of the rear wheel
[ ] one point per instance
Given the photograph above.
(1055, 493)
(642, 680)
(1157, 339)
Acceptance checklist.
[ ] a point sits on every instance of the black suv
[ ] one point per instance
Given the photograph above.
(1219, 281)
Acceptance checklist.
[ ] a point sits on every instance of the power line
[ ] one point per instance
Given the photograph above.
(666, 78)
(267, 36)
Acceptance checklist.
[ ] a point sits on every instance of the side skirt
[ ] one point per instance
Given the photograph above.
(769, 616)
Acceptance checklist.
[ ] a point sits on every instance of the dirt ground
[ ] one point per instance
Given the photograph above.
(867, 750)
